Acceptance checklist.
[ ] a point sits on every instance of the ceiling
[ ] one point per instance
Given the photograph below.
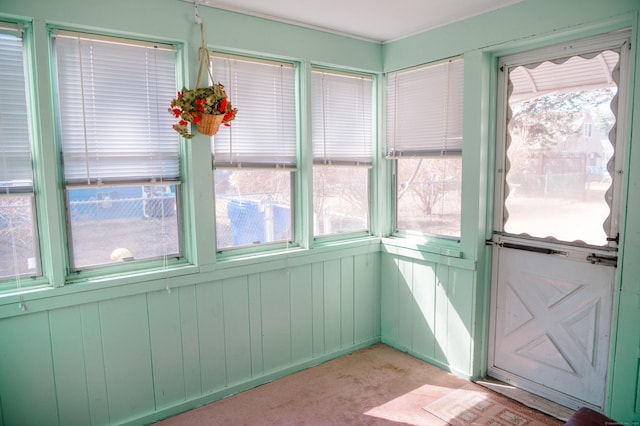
(375, 20)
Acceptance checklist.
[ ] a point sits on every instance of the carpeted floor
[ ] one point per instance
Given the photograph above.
(374, 386)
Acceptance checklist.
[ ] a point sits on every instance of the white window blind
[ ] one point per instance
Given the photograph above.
(16, 173)
(425, 110)
(264, 132)
(342, 118)
(113, 98)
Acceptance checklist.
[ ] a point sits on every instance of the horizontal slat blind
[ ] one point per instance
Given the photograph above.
(113, 99)
(15, 148)
(425, 110)
(342, 118)
(264, 132)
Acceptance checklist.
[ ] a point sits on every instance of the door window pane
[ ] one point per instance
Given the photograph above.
(560, 152)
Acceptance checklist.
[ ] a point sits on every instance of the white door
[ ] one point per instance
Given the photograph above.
(556, 229)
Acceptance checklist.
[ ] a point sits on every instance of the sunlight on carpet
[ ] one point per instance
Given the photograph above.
(473, 405)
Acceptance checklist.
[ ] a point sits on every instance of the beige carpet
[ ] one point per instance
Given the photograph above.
(474, 405)
(374, 386)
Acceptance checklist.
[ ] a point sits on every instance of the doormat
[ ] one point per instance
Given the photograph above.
(474, 405)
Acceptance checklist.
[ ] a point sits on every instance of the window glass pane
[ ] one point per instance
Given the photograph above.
(19, 254)
(252, 207)
(113, 100)
(264, 134)
(19, 245)
(428, 195)
(559, 148)
(342, 118)
(424, 110)
(119, 151)
(15, 144)
(123, 223)
(340, 200)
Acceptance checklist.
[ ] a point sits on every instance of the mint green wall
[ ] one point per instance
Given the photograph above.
(414, 283)
(124, 350)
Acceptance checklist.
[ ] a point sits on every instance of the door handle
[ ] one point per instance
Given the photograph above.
(603, 260)
(541, 250)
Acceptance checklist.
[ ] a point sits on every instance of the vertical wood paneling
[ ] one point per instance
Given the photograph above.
(276, 319)
(119, 359)
(69, 366)
(332, 307)
(94, 364)
(255, 324)
(237, 341)
(317, 284)
(366, 299)
(441, 314)
(346, 302)
(389, 296)
(127, 357)
(26, 373)
(424, 283)
(459, 321)
(166, 347)
(405, 303)
(190, 345)
(301, 314)
(211, 336)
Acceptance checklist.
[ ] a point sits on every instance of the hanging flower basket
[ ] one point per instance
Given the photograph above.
(209, 123)
(206, 107)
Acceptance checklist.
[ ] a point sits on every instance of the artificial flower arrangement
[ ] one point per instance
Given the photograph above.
(206, 107)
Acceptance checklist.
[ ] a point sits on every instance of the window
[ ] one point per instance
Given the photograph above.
(254, 158)
(19, 246)
(342, 117)
(424, 137)
(560, 115)
(119, 152)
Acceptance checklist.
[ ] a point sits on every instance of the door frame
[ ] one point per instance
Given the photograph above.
(497, 184)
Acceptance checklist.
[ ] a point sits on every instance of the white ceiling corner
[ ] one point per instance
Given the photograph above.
(375, 20)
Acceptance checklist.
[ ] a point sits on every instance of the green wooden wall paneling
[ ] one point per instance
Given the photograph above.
(26, 374)
(94, 363)
(427, 310)
(211, 336)
(301, 313)
(69, 366)
(166, 347)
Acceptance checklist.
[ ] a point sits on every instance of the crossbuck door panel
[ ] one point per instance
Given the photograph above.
(556, 218)
(552, 323)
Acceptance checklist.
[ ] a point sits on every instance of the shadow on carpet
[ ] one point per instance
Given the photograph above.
(475, 405)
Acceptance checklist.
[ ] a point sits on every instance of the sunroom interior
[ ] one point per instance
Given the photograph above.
(100, 324)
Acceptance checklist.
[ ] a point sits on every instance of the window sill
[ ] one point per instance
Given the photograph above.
(440, 246)
(293, 256)
(435, 252)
